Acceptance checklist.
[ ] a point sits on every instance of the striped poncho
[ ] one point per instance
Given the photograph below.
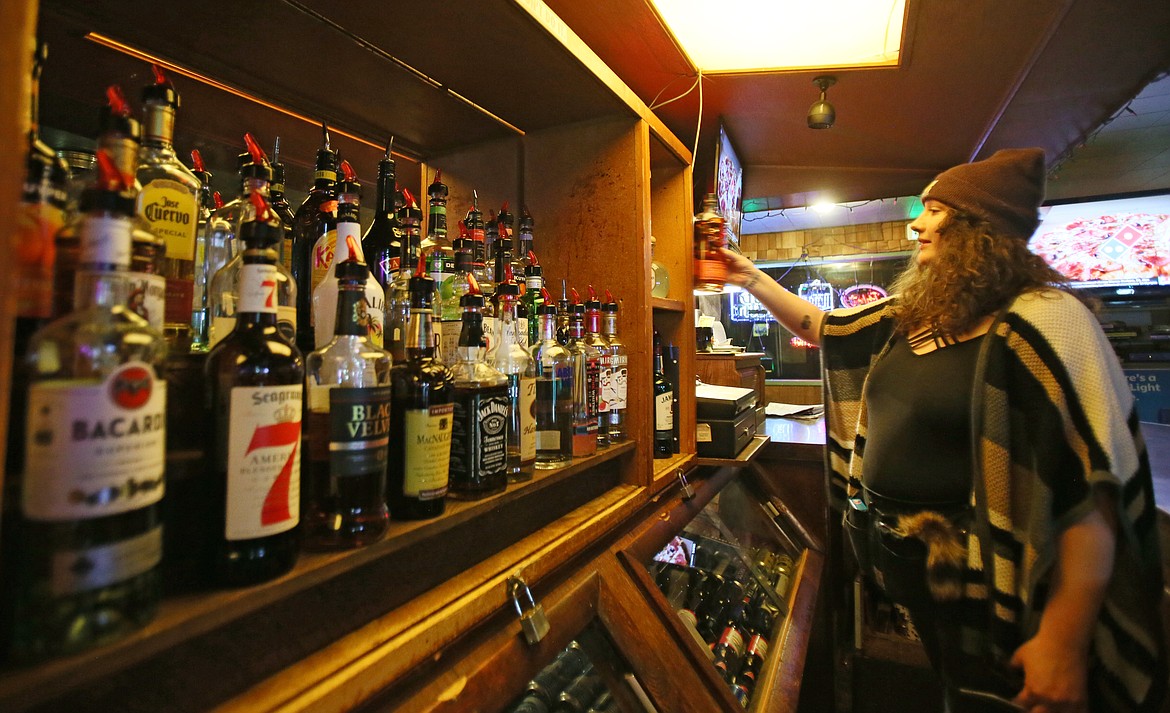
(1052, 418)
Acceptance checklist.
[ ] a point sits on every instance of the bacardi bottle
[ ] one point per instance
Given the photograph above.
(613, 384)
(479, 434)
(256, 383)
(169, 203)
(513, 359)
(348, 387)
(82, 533)
(317, 207)
(420, 416)
(554, 392)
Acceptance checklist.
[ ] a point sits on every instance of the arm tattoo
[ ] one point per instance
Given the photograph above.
(806, 323)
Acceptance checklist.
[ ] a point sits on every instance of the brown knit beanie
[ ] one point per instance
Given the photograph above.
(1005, 189)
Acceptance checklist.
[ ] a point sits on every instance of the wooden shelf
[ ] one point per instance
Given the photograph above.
(743, 457)
(663, 304)
(666, 466)
(337, 592)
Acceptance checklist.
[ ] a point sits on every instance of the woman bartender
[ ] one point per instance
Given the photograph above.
(982, 419)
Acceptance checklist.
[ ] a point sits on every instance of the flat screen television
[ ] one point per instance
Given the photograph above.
(1115, 246)
(729, 186)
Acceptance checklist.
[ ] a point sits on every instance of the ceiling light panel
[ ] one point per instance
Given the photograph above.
(778, 35)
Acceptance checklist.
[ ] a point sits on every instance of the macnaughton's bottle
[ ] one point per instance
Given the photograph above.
(255, 391)
(82, 532)
(420, 415)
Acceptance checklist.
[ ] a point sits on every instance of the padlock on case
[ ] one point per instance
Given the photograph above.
(533, 621)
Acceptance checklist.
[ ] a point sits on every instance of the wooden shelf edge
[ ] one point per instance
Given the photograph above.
(185, 617)
(749, 452)
(664, 304)
(665, 467)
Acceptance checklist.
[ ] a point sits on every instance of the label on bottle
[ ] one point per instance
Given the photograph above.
(75, 571)
(491, 338)
(95, 449)
(479, 435)
(375, 317)
(710, 272)
(548, 440)
(732, 640)
(36, 226)
(322, 258)
(448, 333)
(171, 209)
(263, 461)
(527, 402)
(604, 376)
(105, 240)
(593, 389)
(615, 389)
(663, 413)
(688, 617)
(428, 451)
(258, 289)
(758, 645)
(147, 297)
(522, 332)
(359, 428)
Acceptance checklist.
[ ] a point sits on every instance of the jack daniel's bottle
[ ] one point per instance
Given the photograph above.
(256, 383)
(479, 437)
(82, 533)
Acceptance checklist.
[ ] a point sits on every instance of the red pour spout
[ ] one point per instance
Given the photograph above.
(258, 156)
(592, 294)
(347, 171)
(261, 206)
(408, 197)
(608, 296)
(197, 161)
(160, 76)
(117, 100)
(421, 270)
(509, 275)
(576, 297)
(464, 231)
(472, 285)
(354, 249)
(532, 258)
(438, 176)
(110, 178)
(218, 199)
(548, 300)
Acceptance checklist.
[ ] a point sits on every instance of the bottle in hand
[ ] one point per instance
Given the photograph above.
(256, 382)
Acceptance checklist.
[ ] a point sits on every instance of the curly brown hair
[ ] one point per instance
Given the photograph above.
(976, 273)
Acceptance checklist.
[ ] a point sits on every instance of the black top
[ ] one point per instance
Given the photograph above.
(918, 447)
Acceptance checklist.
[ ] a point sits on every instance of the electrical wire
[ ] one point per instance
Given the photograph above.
(699, 123)
(674, 99)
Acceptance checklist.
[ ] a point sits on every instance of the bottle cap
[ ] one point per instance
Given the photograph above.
(352, 271)
(162, 91)
(422, 286)
(349, 190)
(526, 221)
(549, 307)
(199, 169)
(610, 305)
(438, 189)
(115, 118)
(257, 165)
(592, 304)
(264, 230)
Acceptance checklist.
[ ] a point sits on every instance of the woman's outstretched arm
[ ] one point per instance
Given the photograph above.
(798, 315)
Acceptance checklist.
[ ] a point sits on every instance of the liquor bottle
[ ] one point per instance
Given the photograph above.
(593, 338)
(316, 208)
(348, 387)
(533, 295)
(580, 692)
(479, 431)
(255, 391)
(224, 289)
(119, 137)
(755, 653)
(348, 191)
(613, 385)
(449, 311)
(491, 237)
(554, 391)
(82, 532)
(524, 244)
(437, 245)
(515, 362)
(663, 409)
(420, 415)
(548, 684)
(199, 313)
(475, 226)
(398, 294)
(282, 208)
(40, 216)
(501, 268)
(586, 362)
(381, 243)
(661, 278)
(348, 245)
(169, 203)
(564, 314)
(507, 230)
(729, 647)
(710, 238)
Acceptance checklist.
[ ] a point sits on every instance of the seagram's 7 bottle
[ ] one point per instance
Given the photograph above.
(256, 383)
(82, 549)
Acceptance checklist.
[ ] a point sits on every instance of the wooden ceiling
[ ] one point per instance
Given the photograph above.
(975, 77)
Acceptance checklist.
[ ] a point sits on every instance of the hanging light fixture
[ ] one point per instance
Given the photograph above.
(821, 114)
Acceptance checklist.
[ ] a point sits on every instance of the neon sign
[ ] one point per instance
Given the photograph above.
(746, 308)
(859, 295)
